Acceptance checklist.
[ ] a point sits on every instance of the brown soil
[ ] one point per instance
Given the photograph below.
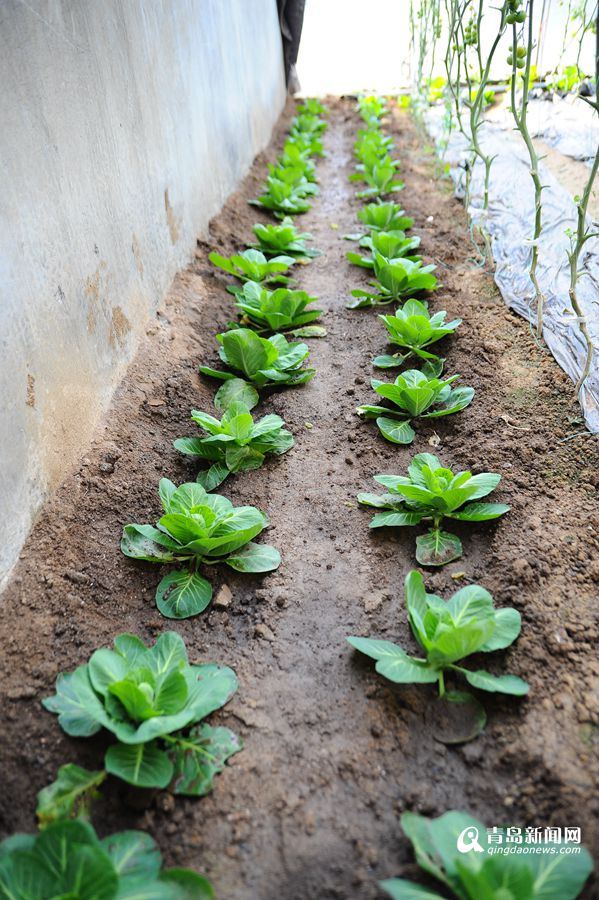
(333, 753)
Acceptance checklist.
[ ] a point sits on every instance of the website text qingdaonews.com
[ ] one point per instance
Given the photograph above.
(524, 849)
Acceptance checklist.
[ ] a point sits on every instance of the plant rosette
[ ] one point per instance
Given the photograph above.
(415, 394)
(414, 330)
(235, 443)
(395, 278)
(153, 701)
(198, 528)
(267, 362)
(447, 632)
(284, 239)
(252, 265)
(277, 311)
(390, 244)
(381, 217)
(68, 860)
(431, 493)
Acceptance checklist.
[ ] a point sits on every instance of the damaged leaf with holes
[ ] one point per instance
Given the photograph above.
(198, 528)
(152, 700)
(428, 494)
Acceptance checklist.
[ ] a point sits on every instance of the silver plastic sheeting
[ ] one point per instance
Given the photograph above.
(510, 223)
(567, 124)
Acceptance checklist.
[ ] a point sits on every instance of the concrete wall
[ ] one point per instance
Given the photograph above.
(124, 125)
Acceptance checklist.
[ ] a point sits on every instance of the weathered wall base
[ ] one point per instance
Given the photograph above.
(125, 123)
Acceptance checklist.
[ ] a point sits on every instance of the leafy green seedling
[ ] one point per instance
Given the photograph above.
(153, 701)
(235, 443)
(69, 861)
(306, 143)
(381, 181)
(70, 796)
(308, 124)
(264, 361)
(293, 157)
(252, 265)
(384, 217)
(543, 873)
(198, 528)
(372, 141)
(413, 329)
(312, 106)
(415, 394)
(371, 107)
(297, 176)
(282, 199)
(395, 279)
(448, 632)
(285, 238)
(390, 244)
(280, 310)
(431, 493)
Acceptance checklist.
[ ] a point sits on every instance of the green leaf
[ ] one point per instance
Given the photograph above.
(394, 663)
(143, 765)
(502, 684)
(309, 331)
(394, 431)
(437, 548)
(245, 351)
(480, 512)
(135, 856)
(212, 477)
(200, 756)
(80, 712)
(255, 558)
(182, 594)
(396, 518)
(243, 459)
(389, 362)
(399, 889)
(188, 885)
(508, 623)
(236, 390)
(141, 542)
(70, 796)
(435, 843)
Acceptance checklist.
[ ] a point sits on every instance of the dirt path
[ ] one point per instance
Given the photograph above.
(333, 754)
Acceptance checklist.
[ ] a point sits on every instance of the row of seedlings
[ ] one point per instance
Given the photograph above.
(447, 631)
(151, 700)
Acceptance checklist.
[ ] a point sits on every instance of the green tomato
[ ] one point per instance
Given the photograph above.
(520, 63)
(521, 16)
(520, 52)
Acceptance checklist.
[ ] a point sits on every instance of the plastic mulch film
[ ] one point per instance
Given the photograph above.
(567, 124)
(510, 224)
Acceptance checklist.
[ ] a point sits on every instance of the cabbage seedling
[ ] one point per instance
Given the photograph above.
(430, 493)
(68, 860)
(235, 443)
(152, 700)
(198, 528)
(448, 632)
(395, 278)
(380, 180)
(415, 394)
(274, 240)
(252, 265)
(280, 310)
(390, 244)
(308, 124)
(384, 217)
(269, 361)
(312, 106)
(282, 199)
(542, 874)
(413, 329)
(371, 107)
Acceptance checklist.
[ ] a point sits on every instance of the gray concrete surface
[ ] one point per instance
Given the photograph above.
(125, 124)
